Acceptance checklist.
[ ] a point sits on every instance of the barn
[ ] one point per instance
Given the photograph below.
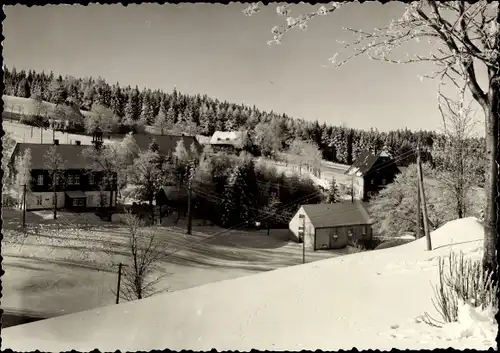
(331, 226)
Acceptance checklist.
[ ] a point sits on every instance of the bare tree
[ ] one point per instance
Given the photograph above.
(102, 118)
(106, 160)
(305, 153)
(466, 39)
(161, 122)
(56, 166)
(148, 173)
(23, 174)
(145, 251)
(395, 210)
(456, 160)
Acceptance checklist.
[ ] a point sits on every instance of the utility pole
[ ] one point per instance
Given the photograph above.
(424, 204)
(118, 285)
(302, 234)
(189, 222)
(418, 233)
(24, 206)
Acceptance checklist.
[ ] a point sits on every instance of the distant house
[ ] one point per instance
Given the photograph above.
(203, 140)
(331, 226)
(231, 141)
(167, 143)
(81, 187)
(370, 173)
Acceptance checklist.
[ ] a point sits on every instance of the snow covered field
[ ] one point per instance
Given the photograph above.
(368, 300)
(26, 134)
(61, 270)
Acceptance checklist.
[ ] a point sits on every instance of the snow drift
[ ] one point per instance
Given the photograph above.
(364, 300)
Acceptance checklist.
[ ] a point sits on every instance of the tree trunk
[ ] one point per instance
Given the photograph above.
(55, 198)
(152, 210)
(491, 185)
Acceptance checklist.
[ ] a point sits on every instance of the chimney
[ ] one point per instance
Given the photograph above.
(78, 143)
(56, 142)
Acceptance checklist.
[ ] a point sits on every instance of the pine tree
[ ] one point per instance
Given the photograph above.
(23, 89)
(58, 92)
(117, 102)
(333, 192)
(132, 108)
(88, 96)
(147, 110)
(206, 120)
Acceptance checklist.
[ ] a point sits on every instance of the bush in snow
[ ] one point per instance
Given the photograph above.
(464, 282)
(395, 207)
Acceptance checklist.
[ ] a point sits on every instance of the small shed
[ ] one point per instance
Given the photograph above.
(331, 226)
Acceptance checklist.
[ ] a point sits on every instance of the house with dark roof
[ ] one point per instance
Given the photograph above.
(331, 226)
(370, 173)
(79, 187)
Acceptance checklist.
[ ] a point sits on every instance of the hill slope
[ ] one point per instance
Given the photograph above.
(327, 305)
(27, 106)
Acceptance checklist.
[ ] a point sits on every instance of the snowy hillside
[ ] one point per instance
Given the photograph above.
(27, 134)
(364, 300)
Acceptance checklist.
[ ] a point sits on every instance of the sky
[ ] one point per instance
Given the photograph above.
(218, 51)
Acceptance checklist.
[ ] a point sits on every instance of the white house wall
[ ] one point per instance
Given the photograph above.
(358, 184)
(294, 225)
(93, 199)
(46, 198)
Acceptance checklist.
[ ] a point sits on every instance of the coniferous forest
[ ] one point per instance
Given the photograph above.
(269, 132)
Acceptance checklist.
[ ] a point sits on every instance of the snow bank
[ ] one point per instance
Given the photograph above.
(457, 232)
(328, 304)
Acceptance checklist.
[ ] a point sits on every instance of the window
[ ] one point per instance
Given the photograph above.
(38, 200)
(78, 202)
(104, 200)
(70, 179)
(91, 179)
(39, 180)
(349, 233)
(383, 182)
(77, 179)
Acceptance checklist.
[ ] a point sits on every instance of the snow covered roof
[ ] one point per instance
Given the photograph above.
(329, 304)
(203, 140)
(71, 154)
(227, 138)
(325, 215)
(365, 162)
